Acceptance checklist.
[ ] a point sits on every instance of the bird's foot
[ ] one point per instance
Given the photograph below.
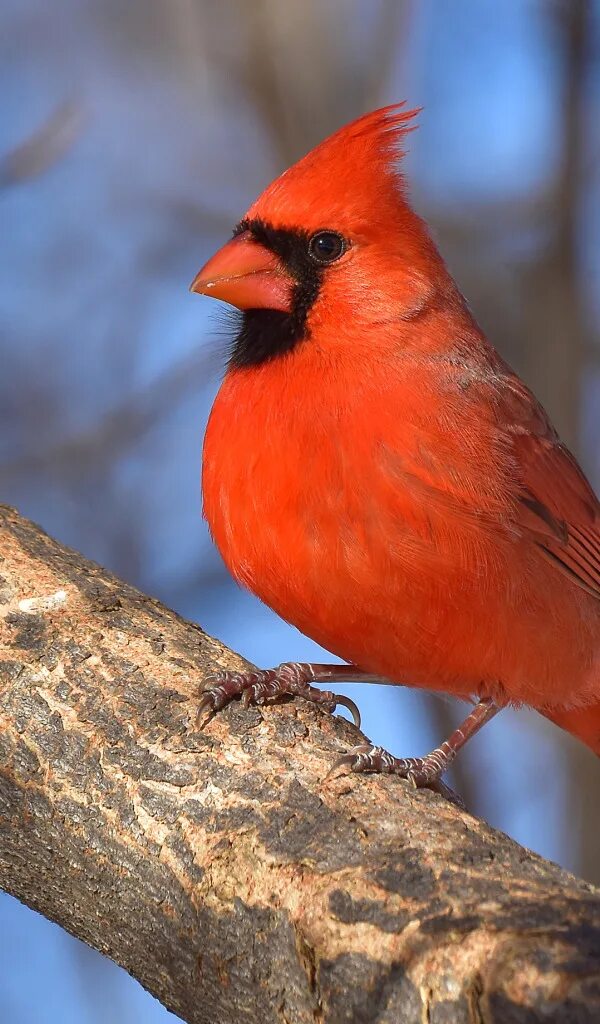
(293, 679)
(423, 772)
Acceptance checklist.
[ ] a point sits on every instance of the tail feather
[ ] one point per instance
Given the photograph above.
(584, 723)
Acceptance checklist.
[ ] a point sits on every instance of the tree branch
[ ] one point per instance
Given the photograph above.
(219, 867)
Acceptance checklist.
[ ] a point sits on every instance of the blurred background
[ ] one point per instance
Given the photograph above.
(133, 136)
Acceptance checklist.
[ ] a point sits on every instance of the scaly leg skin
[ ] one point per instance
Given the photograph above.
(422, 771)
(292, 679)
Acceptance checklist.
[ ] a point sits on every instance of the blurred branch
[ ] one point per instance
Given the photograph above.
(554, 318)
(119, 428)
(219, 867)
(45, 147)
(391, 28)
(555, 324)
(291, 64)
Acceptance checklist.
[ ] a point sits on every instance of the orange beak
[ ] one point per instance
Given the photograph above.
(246, 275)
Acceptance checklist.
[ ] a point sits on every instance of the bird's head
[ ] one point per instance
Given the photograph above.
(329, 243)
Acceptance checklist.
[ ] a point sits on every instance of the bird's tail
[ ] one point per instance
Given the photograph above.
(584, 723)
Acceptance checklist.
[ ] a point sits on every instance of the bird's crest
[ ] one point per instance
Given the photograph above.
(353, 170)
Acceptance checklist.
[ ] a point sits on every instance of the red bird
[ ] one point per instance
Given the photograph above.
(376, 473)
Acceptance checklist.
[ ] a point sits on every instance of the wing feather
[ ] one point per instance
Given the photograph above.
(559, 509)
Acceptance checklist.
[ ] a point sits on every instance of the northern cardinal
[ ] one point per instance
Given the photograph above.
(377, 474)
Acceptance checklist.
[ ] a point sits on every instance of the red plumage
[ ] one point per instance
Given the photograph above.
(379, 476)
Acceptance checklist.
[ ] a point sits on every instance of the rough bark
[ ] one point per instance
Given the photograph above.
(220, 867)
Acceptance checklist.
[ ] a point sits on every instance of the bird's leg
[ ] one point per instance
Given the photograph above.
(293, 679)
(421, 771)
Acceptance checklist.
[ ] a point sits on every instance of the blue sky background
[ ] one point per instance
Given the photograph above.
(109, 364)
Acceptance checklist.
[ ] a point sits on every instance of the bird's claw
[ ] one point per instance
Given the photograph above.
(220, 689)
(292, 679)
(422, 772)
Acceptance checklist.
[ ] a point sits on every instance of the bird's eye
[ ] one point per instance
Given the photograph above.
(326, 247)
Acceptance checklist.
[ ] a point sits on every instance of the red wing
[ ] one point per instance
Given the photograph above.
(559, 508)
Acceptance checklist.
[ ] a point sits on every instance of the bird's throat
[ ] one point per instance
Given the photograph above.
(265, 334)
